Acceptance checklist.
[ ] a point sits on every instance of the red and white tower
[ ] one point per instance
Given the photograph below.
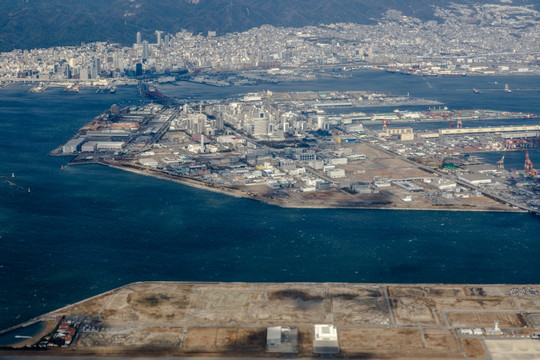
(528, 163)
(500, 163)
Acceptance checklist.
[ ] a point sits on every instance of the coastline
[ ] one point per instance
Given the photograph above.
(192, 319)
(283, 204)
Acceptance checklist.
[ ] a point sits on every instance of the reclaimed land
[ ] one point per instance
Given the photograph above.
(384, 321)
(332, 199)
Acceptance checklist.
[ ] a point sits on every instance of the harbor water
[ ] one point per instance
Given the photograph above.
(83, 230)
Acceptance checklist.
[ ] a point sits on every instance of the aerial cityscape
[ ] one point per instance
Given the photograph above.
(392, 161)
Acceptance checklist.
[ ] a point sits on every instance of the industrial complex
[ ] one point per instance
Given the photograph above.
(316, 149)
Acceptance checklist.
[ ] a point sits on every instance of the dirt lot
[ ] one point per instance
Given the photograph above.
(398, 343)
(395, 321)
(485, 319)
(213, 340)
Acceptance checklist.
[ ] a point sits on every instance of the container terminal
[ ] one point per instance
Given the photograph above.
(294, 320)
(308, 149)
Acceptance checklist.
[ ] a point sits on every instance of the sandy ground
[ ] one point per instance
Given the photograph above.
(373, 320)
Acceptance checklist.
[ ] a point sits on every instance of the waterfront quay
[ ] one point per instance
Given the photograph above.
(306, 149)
(390, 321)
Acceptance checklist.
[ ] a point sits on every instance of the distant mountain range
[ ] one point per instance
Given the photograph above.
(43, 23)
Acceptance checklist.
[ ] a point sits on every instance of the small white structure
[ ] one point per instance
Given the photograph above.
(325, 339)
(496, 330)
(477, 331)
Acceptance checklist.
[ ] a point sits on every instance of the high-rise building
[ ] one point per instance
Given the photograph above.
(167, 40)
(93, 70)
(145, 50)
(158, 37)
(139, 38)
(116, 62)
(138, 69)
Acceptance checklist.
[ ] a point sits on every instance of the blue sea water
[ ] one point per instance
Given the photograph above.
(87, 229)
(22, 334)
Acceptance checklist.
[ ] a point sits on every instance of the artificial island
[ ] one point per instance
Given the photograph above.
(293, 320)
(317, 149)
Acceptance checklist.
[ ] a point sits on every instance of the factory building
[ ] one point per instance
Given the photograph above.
(474, 179)
(72, 146)
(110, 145)
(444, 184)
(325, 339)
(282, 339)
(404, 134)
(336, 173)
(90, 146)
(361, 187)
(149, 162)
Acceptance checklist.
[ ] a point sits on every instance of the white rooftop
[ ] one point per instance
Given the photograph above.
(325, 332)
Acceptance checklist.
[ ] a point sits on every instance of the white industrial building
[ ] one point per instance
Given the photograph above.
(336, 173)
(150, 162)
(444, 184)
(72, 146)
(110, 145)
(282, 339)
(325, 339)
(89, 146)
(474, 179)
(338, 161)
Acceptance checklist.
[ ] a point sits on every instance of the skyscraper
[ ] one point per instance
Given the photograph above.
(167, 40)
(139, 38)
(145, 50)
(158, 36)
(138, 69)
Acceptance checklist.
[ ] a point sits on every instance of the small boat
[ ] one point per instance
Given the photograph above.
(507, 89)
(72, 89)
(476, 91)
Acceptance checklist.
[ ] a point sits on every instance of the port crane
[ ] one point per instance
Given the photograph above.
(529, 166)
(500, 163)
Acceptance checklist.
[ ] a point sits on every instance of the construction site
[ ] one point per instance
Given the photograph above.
(233, 320)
